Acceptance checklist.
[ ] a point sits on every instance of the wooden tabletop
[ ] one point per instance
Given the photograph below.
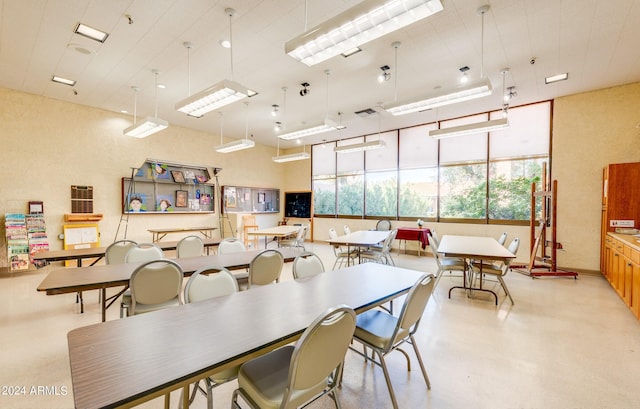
(74, 279)
(360, 238)
(131, 360)
(476, 247)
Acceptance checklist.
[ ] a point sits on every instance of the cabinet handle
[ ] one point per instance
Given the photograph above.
(629, 264)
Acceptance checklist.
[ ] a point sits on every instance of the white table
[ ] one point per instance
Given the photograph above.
(279, 232)
(360, 238)
(477, 248)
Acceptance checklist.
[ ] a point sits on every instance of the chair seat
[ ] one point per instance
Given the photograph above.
(493, 269)
(265, 378)
(142, 308)
(449, 263)
(226, 375)
(376, 328)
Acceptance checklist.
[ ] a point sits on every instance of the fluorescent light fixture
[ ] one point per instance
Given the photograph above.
(470, 129)
(61, 80)
(358, 25)
(236, 145)
(464, 92)
(357, 147)
(223, 93)
(556, 78)
(292, 157)
(90, 32)
(327, 126)
(145, 128)
(349, 53)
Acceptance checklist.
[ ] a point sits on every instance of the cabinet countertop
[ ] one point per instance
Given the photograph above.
(628, 239)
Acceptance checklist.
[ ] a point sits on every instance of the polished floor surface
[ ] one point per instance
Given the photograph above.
(565, 344)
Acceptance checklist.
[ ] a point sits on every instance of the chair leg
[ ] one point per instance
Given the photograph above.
(506, 290)
(387, 378)
(336, 401)
(424, 371)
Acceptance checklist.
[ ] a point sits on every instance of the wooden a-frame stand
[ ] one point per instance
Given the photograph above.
(542, 261)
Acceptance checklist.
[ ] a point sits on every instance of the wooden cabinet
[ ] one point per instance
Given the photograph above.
(622, 268)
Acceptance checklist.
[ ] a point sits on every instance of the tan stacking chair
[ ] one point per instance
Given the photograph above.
(384, 333)
(293, 376)
(116, 252)
(499, 270)
(341, 254)
(155, 285)
(190, 246)
(265, 268)
(205, 283)
(307, 264)
(445, 263)
(137, 254)
(383, 254)
(231, 245)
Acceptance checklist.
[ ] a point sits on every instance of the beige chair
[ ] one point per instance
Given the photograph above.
(434, 236)
(205, 283)
(155, 285)
(139, 253)
(231, 245)
(265, 268)
(382, 254)
(307, 264)
(249, 224)
(500, 269)
(116, 252)
(297, 241)
(190, 246)
(292, 376)
(384, 333)
(346, 229)
(342, 255)
(503, 238)
(445, 263)
(383, 225)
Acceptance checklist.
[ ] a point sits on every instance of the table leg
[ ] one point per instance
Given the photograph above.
(104, 304)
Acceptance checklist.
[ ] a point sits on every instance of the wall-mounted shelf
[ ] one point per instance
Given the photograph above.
(239, 199)
(83, 217)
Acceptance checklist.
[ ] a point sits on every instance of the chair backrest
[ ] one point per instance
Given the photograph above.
(386, 244)
(347, 229)
(190, 246)
(209, 282)
(116, 252)
(514, 245)
(231, 245)
(320, 350)
(383, 225)
(249, 220)
(307, 264)
(414, 305)
(144, 252)
(333, 234)
(503, 238)
(265, 268)
(155, 282)
(434, 236)
(434, 249)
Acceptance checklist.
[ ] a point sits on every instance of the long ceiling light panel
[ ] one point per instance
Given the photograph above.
(236, 145)
(327, 126)
(145, 128)
(358, 25)
(358, 147)
(470, 129)
(291, 157)
(465, 92)
(214, 97)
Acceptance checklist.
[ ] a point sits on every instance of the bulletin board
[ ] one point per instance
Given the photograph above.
(80, 236)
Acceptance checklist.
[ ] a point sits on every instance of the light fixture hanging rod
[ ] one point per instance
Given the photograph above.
(482, 10)
(230, 12)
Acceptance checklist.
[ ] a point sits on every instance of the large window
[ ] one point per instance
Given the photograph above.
(485, 176)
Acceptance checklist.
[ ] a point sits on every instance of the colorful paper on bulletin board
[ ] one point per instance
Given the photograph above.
(164, 203)
(160, 171)
(137, 202)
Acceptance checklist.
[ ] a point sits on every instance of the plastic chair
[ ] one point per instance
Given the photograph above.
(116, 252)
(190, 246)
(231, 245)
(292, 376)
(210, 282)
(155, 285)
(499, 270)
(346, 229)
(307, 264)
(446, 263)
(383, 225)
(298, 241)
(248, 225)
(265, 268)
(384, 333)
(341, 254)
(139, 253)
(503, 238)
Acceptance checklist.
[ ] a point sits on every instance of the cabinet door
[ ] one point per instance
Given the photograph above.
(628, 281)
(635, 289)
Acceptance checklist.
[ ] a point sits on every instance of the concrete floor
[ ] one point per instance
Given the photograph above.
(565, 344)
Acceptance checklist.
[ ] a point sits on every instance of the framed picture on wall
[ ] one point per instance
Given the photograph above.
(177, 176)
(182, 198)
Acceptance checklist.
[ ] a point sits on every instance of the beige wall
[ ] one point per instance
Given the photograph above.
(49, 145)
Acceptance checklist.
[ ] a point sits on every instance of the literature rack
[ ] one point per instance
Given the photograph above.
(17, 241)
(37, 236)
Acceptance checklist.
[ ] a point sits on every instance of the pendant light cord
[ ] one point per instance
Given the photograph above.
(230, 13)
(221, 128)
(326, 111)
(246, 125)
(156, 73)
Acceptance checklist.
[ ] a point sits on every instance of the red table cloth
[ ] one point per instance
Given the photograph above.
(414, 233)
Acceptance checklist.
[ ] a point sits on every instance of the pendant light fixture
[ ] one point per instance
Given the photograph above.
(326, 126)
(364, 146)
(238, 144)
(150, 125)
(464, 92)
(220, 94)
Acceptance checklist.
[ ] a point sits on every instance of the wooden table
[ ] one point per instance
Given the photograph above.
(278, 232)
(158, 234)
(98, 252)
(101, 277)
(414, 234)
(360, 238)
(475, 248)
(125, 362)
